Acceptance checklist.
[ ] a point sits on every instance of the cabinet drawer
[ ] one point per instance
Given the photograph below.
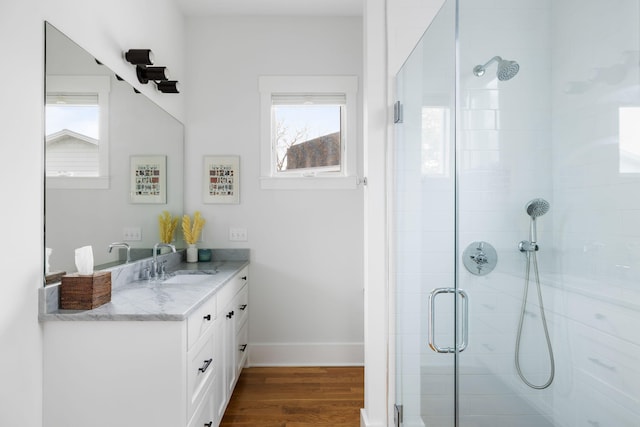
(201, 371)
(242, 343)
(229, 291)
(201, 321)
(205, 415)
(242, 307)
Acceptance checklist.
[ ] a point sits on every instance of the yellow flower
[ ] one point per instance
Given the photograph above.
(192, 232)
(167, 226)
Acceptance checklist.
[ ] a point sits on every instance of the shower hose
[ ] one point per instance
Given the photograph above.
(532, 259)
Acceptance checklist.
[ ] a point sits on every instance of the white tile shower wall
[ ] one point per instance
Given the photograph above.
(595, 195)
(595, 62)
(505, 161)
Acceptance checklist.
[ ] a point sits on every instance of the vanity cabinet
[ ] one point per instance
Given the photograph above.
(161, 373)
(232, 327)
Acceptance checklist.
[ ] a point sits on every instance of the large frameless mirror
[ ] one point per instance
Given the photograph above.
(113, 160)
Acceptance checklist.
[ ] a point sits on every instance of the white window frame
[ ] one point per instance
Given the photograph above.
(346, 178)
(100, 85)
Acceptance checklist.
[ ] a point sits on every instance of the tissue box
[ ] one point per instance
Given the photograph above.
(85, 292)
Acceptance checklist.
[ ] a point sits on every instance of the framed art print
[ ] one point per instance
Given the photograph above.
(149, 179)
(221, 179)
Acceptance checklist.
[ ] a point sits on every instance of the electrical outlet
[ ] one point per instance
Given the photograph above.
(131, 234)
(238, 234)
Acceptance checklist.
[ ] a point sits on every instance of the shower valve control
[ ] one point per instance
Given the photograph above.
(480, 258)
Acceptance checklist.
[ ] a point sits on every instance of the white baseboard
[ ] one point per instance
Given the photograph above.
(306, 354)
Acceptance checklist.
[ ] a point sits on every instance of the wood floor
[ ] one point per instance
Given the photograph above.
(297, 397)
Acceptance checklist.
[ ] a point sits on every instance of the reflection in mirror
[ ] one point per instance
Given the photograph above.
(95, 124)
(629, 146)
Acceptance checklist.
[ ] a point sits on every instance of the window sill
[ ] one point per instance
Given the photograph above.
(309, 183)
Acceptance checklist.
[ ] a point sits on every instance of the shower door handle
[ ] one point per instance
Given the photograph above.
(464, 329)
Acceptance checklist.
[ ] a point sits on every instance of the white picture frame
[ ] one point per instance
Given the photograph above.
(148, 183)
(221, 179)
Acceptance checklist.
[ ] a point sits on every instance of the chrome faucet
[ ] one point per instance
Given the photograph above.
(122, 245)
(154, 263)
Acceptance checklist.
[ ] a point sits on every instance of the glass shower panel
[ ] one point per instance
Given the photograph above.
(504, 144)
(563, 129)
(520, 134)
(423, 230)
(595, 88)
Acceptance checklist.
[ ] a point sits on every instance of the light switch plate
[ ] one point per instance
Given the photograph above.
(238, 234)
(131, 234)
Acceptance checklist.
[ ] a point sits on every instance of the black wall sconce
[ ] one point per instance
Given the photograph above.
(139, 56)
(168, 86)
(143, 59)
(156, 74)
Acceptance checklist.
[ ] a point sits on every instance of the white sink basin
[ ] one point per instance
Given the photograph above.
(187, 279)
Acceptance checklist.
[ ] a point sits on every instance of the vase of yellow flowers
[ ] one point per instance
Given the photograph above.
(191, 232)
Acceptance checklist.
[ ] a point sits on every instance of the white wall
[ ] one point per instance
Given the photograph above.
(306, 246)
(104, 28)
(596, 207)
(407, 21)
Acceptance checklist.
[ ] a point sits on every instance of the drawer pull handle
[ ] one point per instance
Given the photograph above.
(205, 365)
(243, 347)
(209, 424)
(207, 317)
(243, 307)
(244, 277)
(230, 315)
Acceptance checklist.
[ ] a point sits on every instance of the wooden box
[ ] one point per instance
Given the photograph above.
(85, 292)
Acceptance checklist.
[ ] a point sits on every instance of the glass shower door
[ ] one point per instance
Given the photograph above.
(423, 233)
(517, 130)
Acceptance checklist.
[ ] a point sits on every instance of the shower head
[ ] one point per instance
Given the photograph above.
(506, 69)
(537, 207)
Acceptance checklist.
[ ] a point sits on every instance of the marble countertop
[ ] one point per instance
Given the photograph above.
(156, 300)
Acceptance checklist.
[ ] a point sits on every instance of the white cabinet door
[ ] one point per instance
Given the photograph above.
(229, 330)
(229, 344)
(220, 386)
(242, 348)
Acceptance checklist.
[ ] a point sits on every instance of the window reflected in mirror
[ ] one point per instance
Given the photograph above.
(72, 135)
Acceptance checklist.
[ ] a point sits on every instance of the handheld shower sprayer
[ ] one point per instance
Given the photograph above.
(535, 208)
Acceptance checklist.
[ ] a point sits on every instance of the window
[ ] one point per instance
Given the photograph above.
(308, 132)
(629, 134)
(435, 141)
(76, 131)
